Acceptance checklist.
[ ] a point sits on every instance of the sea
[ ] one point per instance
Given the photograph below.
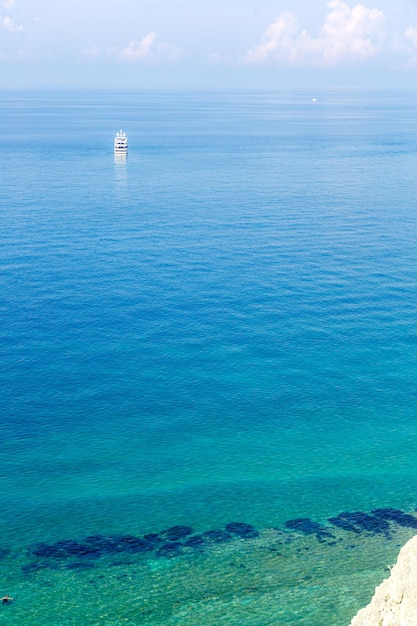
(208, 365)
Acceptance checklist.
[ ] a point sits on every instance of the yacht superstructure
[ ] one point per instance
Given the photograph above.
(120, 143)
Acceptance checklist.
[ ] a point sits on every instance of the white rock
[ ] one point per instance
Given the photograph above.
(395, 600)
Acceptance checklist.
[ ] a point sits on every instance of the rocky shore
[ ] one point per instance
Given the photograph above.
(395, 600)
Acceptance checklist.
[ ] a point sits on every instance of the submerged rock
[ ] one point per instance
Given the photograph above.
(216, 536)
(358, 522)
(130, 543)
(170, 550)
(343, 523)
(4, 552)
(106, 545)
(111, 545)
(94, 547)
(80, 565)
(397, 516)
(64, 549)
(196, 541)
(177, 532)
(45, 551)
(308, 527)
(245, 531)
(153, 539)
(74, 548)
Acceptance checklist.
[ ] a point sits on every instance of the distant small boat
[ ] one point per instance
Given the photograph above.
(120, 143)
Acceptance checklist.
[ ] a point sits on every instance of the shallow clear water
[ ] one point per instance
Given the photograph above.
(219, 329)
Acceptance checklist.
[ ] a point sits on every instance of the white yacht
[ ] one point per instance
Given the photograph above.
(120, 143)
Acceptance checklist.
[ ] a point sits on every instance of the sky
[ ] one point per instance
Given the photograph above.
(198, 44)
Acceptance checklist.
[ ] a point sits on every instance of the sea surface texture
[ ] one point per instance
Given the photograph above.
(208, 365)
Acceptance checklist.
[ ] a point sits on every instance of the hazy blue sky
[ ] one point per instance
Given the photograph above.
(208, 43)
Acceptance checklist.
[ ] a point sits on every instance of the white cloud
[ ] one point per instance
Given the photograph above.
(279, 39)
(139, 50)
(347, 34)
(10, 25)
(147, 48)
(410, 36)
(7, 4)
(135, 51)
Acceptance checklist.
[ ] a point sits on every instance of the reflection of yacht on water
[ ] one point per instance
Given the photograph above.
(120, 143)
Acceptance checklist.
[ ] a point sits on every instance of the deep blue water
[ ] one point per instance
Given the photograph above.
(221, 328)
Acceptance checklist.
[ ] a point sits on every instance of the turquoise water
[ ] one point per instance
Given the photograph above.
(220, 329)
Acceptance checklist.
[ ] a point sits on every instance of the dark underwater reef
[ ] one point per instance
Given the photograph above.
(179, 540)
